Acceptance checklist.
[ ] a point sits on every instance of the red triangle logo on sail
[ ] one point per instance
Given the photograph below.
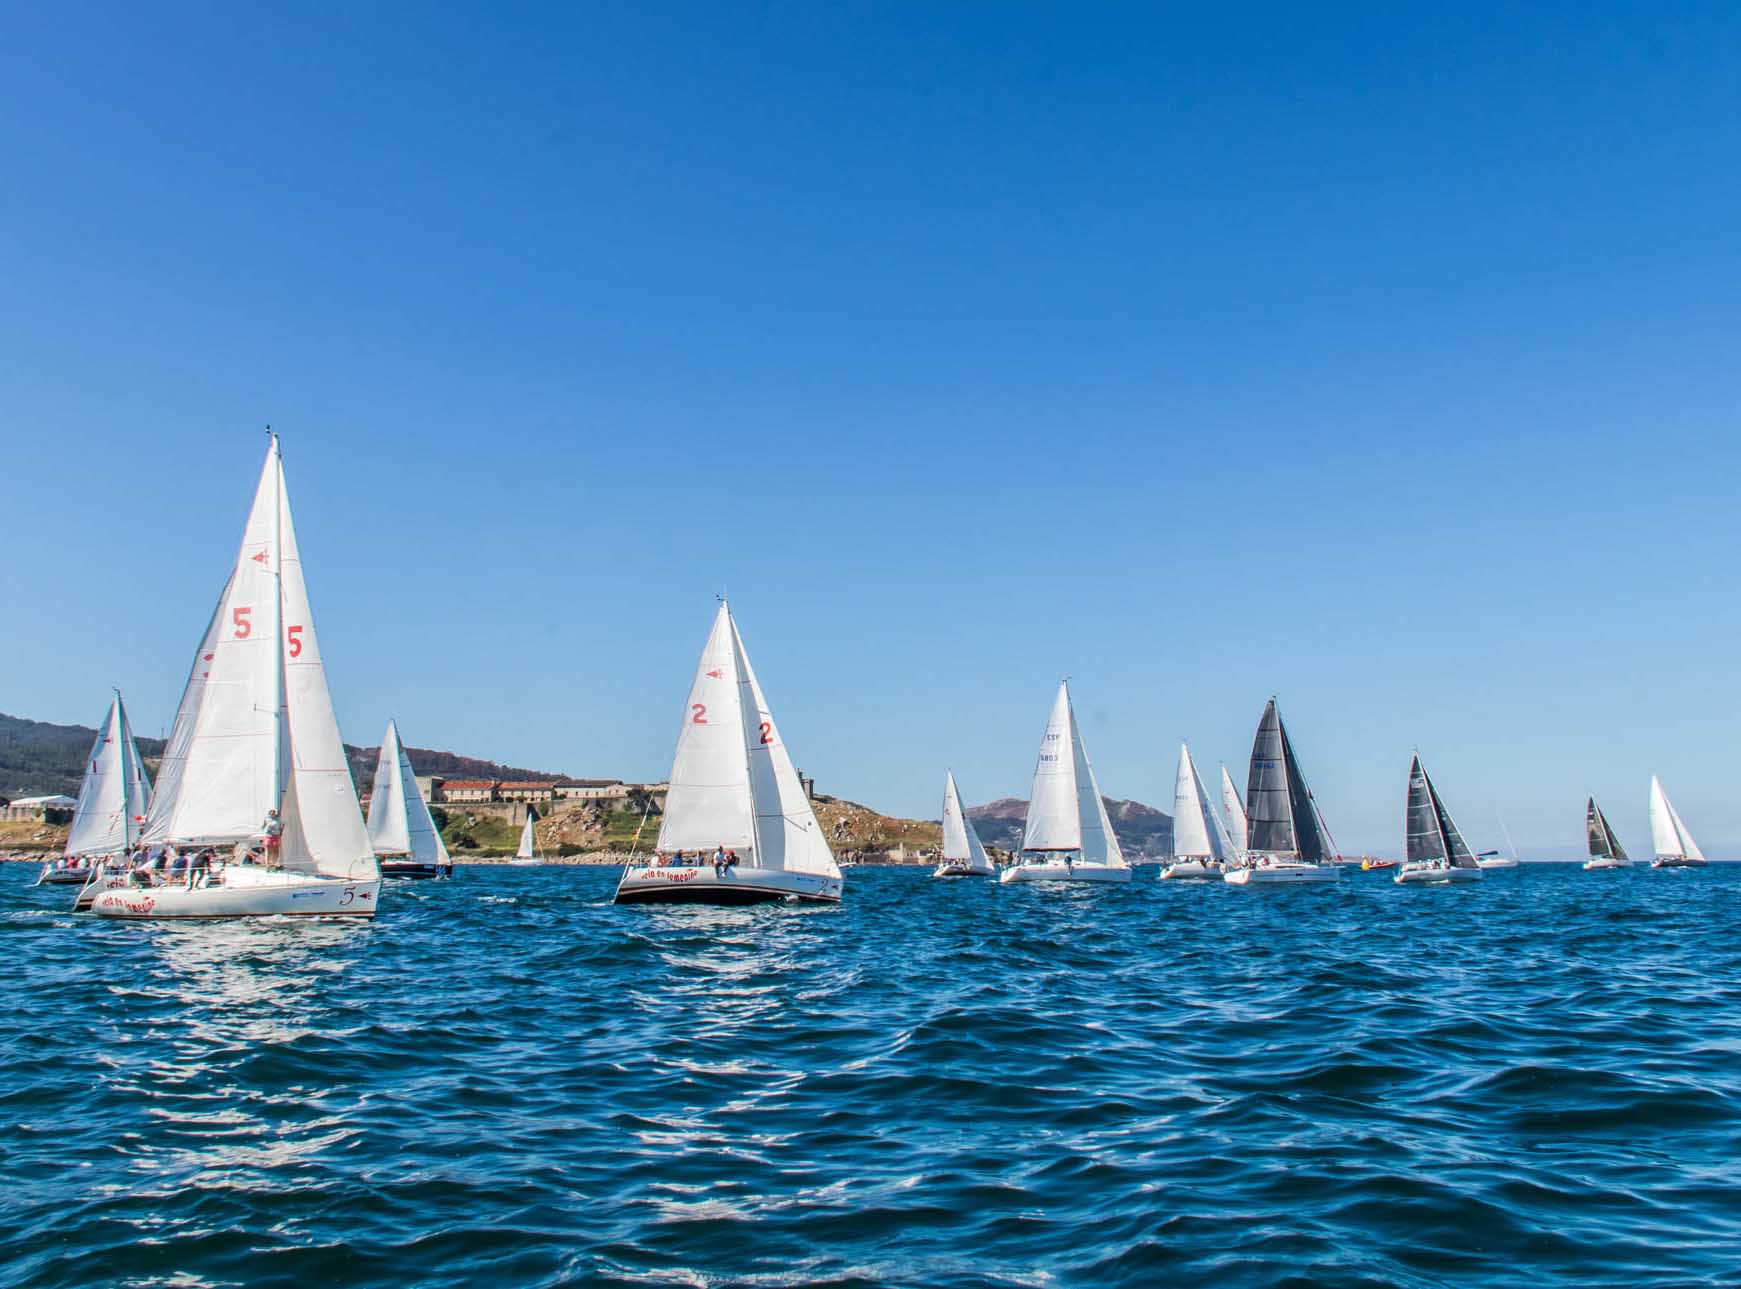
(260, 558)
(716, 673)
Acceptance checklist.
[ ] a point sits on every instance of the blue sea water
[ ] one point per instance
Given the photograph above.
(506, 1080)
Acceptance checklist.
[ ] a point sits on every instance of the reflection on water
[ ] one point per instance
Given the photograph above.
(506, 1079)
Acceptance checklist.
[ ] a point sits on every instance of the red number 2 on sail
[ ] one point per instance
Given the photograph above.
(699, 713)
(767, 733)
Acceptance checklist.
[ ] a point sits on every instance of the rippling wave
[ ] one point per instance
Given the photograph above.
(504, 1079)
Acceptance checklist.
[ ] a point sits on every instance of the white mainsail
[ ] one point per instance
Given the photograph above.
(1065, 809)
(1668, 833)
(961, 843)
(1196, 831)
(733, 783)
(256, 730)
(1054, 817)
(115, 793)
(399, 820)
(528, 839)
(1234, 804)
(708, 804)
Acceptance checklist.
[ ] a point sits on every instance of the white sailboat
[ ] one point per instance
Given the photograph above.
(113, 798)
(1493, 859)
(1675, 847)
(402, 834)
(1605, 848)
(1068, 837)
(1234, 805)
(1200, 848)
(963, 855)
(527, 852)
(1435, 852)
(1285, 836)
(255, 764)
(734, 792)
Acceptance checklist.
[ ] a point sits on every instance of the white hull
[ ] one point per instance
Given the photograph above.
(1497, 861)
(107, 882)
(963, 870)
(1193, 870)
(524, 863)
(1282, 873)
(1596, 865)
(1421, 875)
(1676, 861)
(1062, 872)
(738, 885)
(245, 893)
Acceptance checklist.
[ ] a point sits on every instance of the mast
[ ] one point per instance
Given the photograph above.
(279, 704)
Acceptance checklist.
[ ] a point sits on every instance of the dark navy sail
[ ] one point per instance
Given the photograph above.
(1281, 818)
(1603, 843)
(1426, 839)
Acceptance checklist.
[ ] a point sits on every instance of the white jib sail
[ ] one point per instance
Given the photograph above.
(114, 793)
(228, 775)
(1234, 804)
(788, 835)
(329, 837)
(1668, 834)
(528, 838)
(961, 843)
(174, 762)
(399, 820)
(1054, 817)
(1099, 842)
(709, 801)
(1195, 835)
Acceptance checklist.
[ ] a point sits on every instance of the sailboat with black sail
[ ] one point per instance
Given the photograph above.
(1286, 840)
(1436, 853)
(254, 791)
(401, 831)
(738, 826)
(1605, 848)
(1068, 837)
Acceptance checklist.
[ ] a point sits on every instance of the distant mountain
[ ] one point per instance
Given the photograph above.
(1142, 830)
(38, 758)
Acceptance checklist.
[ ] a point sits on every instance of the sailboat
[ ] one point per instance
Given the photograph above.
(402, 834)
(1675, 847)
(733, 791)
(1285, 836)
(1235, 808)
(1605, 848)
(1200, 849)
(527, 852)
(1493, 859)
(254, 764)
(1436, 852)
(963, 855)
(1068, 837)
(113, 798)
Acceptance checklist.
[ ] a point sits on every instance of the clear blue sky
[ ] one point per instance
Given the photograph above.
(1383, 357)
